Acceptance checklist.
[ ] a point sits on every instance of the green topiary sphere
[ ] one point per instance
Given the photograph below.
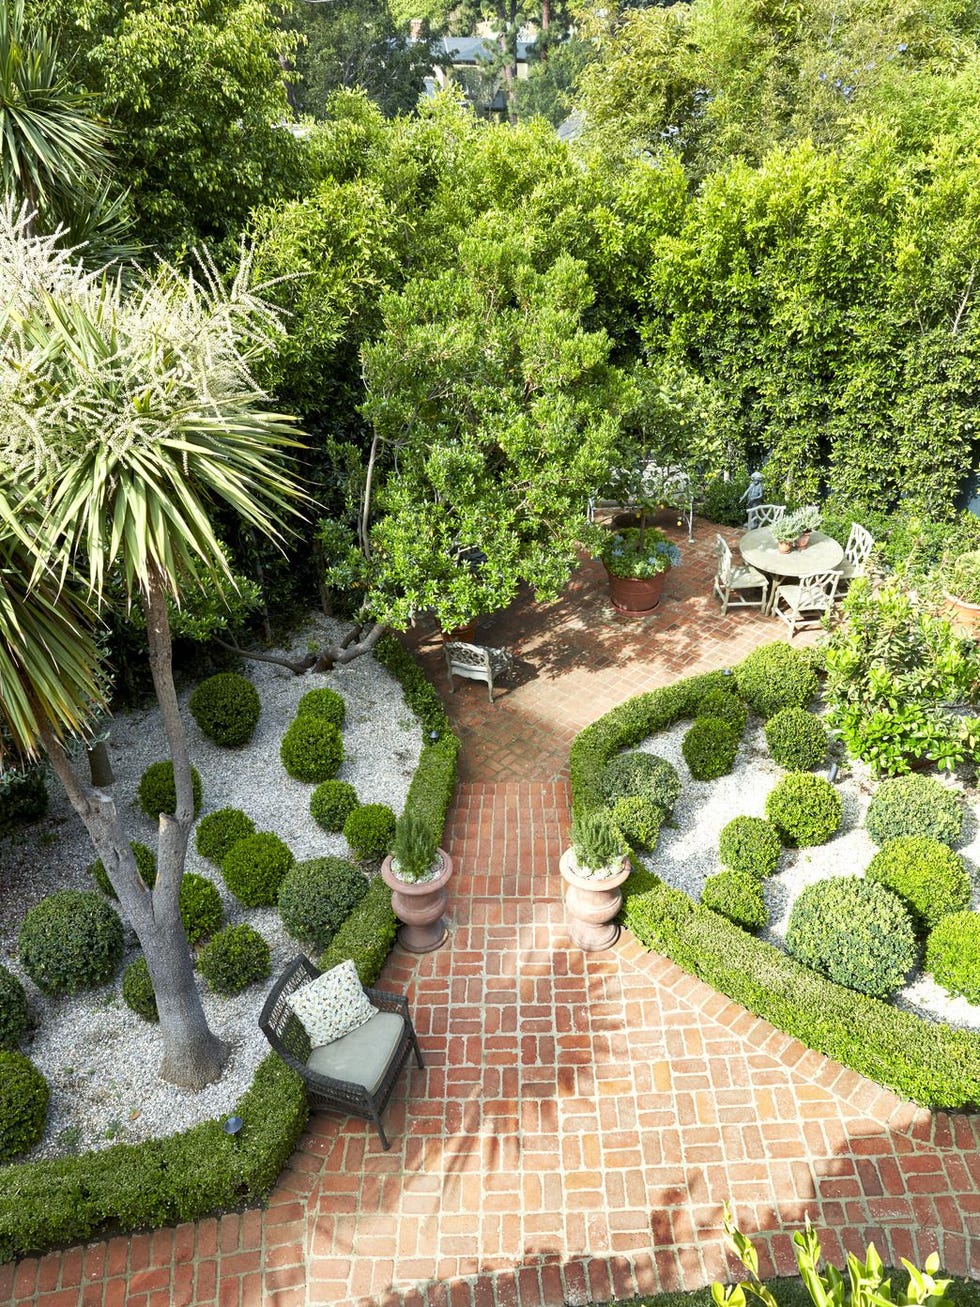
(157, 792)
(324, 703)
(318, 896)
(71, 940)
(750, 844)
(635, 773)
(218, 831)
(930, 879)
(855, 932)
(137, 990)
(255, 867)
(331, 803)
(201, 908)
(639, 820)
(797, 739)
(710, 748)
(24, 1098)
(146, 865)
(776, 676)
(235, 958)
(738, 896)
(312, 750)
(370, 831)
(805, 810)
(226, 707)
(953, 954)
(914, 805)
(729, 707)
(15, 1016)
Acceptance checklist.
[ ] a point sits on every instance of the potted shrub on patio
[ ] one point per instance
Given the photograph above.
(636, 560)
(593, 869)
(960, 579)
(806, 520)
(417, 872)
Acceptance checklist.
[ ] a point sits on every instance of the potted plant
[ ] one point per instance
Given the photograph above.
(960, 579)
(417, 872)
(785, 532)
(593, 869)
(636, 560)
(806, 520)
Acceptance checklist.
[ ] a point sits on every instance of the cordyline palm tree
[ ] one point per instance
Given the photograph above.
(134, 413)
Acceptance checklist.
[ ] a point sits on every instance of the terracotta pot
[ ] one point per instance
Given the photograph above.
(784, 546)
(420, 905)
(465, 634)
(592, 903)
(965, 617)
(803, 540)
(631, 594)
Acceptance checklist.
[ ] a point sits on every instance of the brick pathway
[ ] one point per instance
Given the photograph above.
(581, 1118)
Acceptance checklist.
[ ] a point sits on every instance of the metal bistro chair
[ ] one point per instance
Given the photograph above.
(805, 602)
(860, 542)
(764, 515)
(732, 582)
(355, 1074)
(475, 662)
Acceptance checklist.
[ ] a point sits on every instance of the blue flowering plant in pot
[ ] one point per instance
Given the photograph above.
(636, 560)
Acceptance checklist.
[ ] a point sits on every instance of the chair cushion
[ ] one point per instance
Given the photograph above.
(363, 1056)
(333, 1005)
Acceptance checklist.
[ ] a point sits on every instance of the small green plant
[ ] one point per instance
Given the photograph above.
(324, 703)
(961, 577)
(331, 803)
(914, 805)
(804, 809)
(71, 940)
(157, 792)
(776, 676)
(201, 909)
(15, 1017)
(634, 773)
(738, 896)
(638, 819)
(218, 831)
(255, 867)
(729, 707)
(318, 896)
(312, 749)
(226, 708)
(24, 1098)
(138, 992)
(640, 552)
(930, 879)
(370, 831)
(750, 844)
(710, 747)
(597, 841)
(146, 865)
(953, 954)
(235, 958)
(413, 852)
(806, 518)
(797, 739)
(784, 530)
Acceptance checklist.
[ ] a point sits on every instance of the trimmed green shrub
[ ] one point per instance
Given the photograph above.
(226, 708)
(855, 932)
(219, 831)
(629, 774)
(750, 844)
(738, 896)
(312, 750)
(797, 739)
(146, 865)
(234, 958)
(138, 992)
(419, 693)
(24, 1098)
(69, 941)
(23, 796)
(776, 676)
(914, 805)
(366, 936)
(318, 896)
(324, 703)
(805, 810)
(255, 867)
(639, 819)
(370, 831)
(953, 954)
(201, 909)
(157, 792)
(729, 707)
(331, 803)
(15, 1016)
(710, 748)
(930, 879)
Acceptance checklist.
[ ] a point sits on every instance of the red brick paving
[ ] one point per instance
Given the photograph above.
(581, 1118)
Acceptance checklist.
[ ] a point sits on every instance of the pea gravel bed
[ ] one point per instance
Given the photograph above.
(99, 1058)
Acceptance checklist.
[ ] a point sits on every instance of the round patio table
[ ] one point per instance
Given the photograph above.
(760, 551)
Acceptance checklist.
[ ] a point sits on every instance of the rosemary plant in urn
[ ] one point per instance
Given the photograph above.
(593, 869)
(417, 872)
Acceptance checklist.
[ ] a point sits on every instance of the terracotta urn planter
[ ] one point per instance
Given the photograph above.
(592, 903)
(465, 634)
(420, 905)
(632, 594)
(803, 540)
(784, 546)
(965, 617)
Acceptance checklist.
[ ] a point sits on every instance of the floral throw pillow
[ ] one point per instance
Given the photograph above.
(332, 1005)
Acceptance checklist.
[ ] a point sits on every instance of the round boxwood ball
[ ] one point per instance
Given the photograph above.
(914, 805)
(331, 803)
(738, 896)
(318, 896)
(633, 773)
(157, 792)
(24, 1098)
(324, 703)
(312, 750)
(226, 707)
(146, 865)
(639, 820)
(776, 676)
(710, 748)
(201, 908)
(255, 867)
(927, 876)
(797, 739)
(370, 831)
(953, 954)
(71, 940)
(235, 958)
(218, 831)
(137, 990)
(729, 707)
(15, 1017)
(804, 809)
(750, 844)
(855, 932)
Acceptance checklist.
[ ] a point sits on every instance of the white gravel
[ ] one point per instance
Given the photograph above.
(99, 1058)
(687, 851)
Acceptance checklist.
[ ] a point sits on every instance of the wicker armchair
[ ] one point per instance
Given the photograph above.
(365, 1063)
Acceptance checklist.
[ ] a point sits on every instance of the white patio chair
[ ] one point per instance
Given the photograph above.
(764, 515)
(805, 602)
(860, 542)
(475, 662)
(732, 581)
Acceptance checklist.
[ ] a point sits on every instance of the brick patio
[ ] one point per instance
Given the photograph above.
(581, 1118)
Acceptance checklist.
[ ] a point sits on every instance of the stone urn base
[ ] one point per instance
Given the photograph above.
(592, 903)
(631, 594)
(420, 906)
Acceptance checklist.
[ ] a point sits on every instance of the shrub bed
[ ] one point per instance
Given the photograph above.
(219, 831)
(23, 797)
(318, 896)
(312, 749)
(71, 940)
(776, 676)
(226, 708)
(729, 707)
(324, 703)
(638, 820)
(804, 809)
(914, 805)
(255, 867)
(235, 958)
(370, 831)
(750, 844)
(635, 775)
(331, 803)
(366, 936)
(926, 875)
(738, 896)
(797, 739)
(201, 909)
(710, 748)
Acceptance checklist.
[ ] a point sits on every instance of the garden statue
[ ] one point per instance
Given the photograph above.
(756, 491)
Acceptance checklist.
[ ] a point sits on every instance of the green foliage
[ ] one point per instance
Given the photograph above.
(638, 819)
(930, 879)
(775, 676)
(71, 940)
(370, 831)
(24, 1098)
(366, 936)
(312, 749)
(23, 796)
(413, 851)
(234, 958)
(331, 803)
(201, 909)
(318, 896)
(914, 805)
(226, 707)
(710, 748)
(804, 809)
(797, 739)
(146, 865)
(597, 841)
(723, 501)
(751, 845)
(255, 867)
(640, 774)
(953, 954)
(855, 932)
(419, 694)
(728, 707)
(138, 992)
(738, 896)
(15, 1017)
(324, 703)
(218, 831)
(157, 792)
(639, 553)
(962, 577)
